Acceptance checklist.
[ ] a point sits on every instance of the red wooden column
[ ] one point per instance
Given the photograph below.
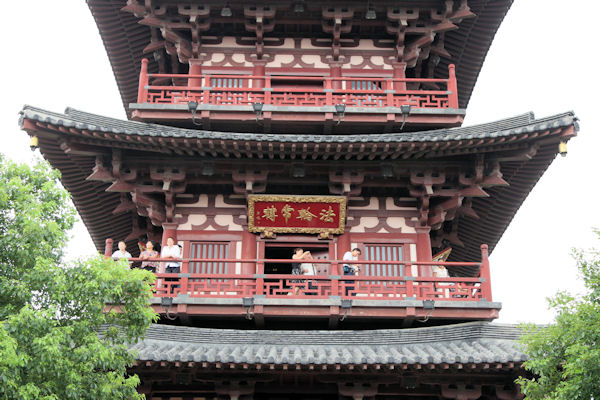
(484, 272)
(195, 69)
(259, 70)
(424, 250)
(248, 252)
(452, 87)
(335, 71)
(399, 73)
(142, 91)
(343, 245)
(108, 248)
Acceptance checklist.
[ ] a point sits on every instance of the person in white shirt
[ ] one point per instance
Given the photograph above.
(351, 269)
(122, 252)
(171, 251)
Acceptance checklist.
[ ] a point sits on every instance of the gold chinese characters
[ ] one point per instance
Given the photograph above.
(303, 214)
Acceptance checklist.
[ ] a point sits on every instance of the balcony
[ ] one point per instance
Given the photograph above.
(404, 297)
(365, 103)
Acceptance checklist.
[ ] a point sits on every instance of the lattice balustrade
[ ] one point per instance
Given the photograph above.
(210, 273)
(298, 91)
(360, 287)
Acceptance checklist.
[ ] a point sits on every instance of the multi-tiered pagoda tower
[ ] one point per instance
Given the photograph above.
(257, 127)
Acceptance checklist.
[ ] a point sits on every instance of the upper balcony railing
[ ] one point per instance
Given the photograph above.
(366, 104)
(298, 91)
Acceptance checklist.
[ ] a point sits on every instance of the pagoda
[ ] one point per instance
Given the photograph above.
(255, 128)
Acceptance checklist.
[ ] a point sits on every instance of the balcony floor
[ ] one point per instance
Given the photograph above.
(322, 313)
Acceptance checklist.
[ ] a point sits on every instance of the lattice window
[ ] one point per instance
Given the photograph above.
(226, 82)
(209, 250)
(383, 252)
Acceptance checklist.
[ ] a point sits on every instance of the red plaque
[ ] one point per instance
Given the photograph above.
(296, 214)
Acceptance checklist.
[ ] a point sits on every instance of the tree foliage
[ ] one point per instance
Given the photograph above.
(64, 329)
(565, 356)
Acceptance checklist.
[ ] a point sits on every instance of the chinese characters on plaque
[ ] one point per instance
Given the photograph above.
(302, 214)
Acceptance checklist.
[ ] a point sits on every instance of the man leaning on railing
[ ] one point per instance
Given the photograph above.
(122, 252)
(171, 252)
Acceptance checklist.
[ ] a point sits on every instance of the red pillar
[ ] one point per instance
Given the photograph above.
(248, 252)
(452, 87)
(343, 245)
(484, 272)
(142, 91)
(169, 230)
(195, 69)
(424, 250)
(108, 248)
(259, 70)
(335, 71)
(399, 73)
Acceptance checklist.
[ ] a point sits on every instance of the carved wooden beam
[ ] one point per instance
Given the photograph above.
(167, 176)
(427, 178)
(249, 181)
(124, 206)
(346, 183)
(99, 172)
(337, 20)
(149, 207)
(258, 16)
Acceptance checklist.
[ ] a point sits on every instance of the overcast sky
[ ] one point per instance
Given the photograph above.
(542, 60)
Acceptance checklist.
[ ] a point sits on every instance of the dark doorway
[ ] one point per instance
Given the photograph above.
(284, 252)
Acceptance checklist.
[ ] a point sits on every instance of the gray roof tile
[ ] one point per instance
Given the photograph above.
(506, 127)
(476, 342)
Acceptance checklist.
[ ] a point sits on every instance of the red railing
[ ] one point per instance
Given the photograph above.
(407, 286)
(297, 91)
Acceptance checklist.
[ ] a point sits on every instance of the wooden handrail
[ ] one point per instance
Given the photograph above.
(240, 89)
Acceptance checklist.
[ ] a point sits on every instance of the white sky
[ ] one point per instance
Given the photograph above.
(542, 60)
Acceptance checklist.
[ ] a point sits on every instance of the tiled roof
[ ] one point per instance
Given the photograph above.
(80, 120)
(475, 342)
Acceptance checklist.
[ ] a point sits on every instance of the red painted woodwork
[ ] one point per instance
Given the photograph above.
(235, 89)
(363, 287)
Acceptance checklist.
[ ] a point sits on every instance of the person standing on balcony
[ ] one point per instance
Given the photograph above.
(149, 254)
(299, 268)
(122, 252)
(351, 269)
(171, 252)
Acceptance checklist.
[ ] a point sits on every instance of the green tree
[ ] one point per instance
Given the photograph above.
(565, 355)
(64, 329)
